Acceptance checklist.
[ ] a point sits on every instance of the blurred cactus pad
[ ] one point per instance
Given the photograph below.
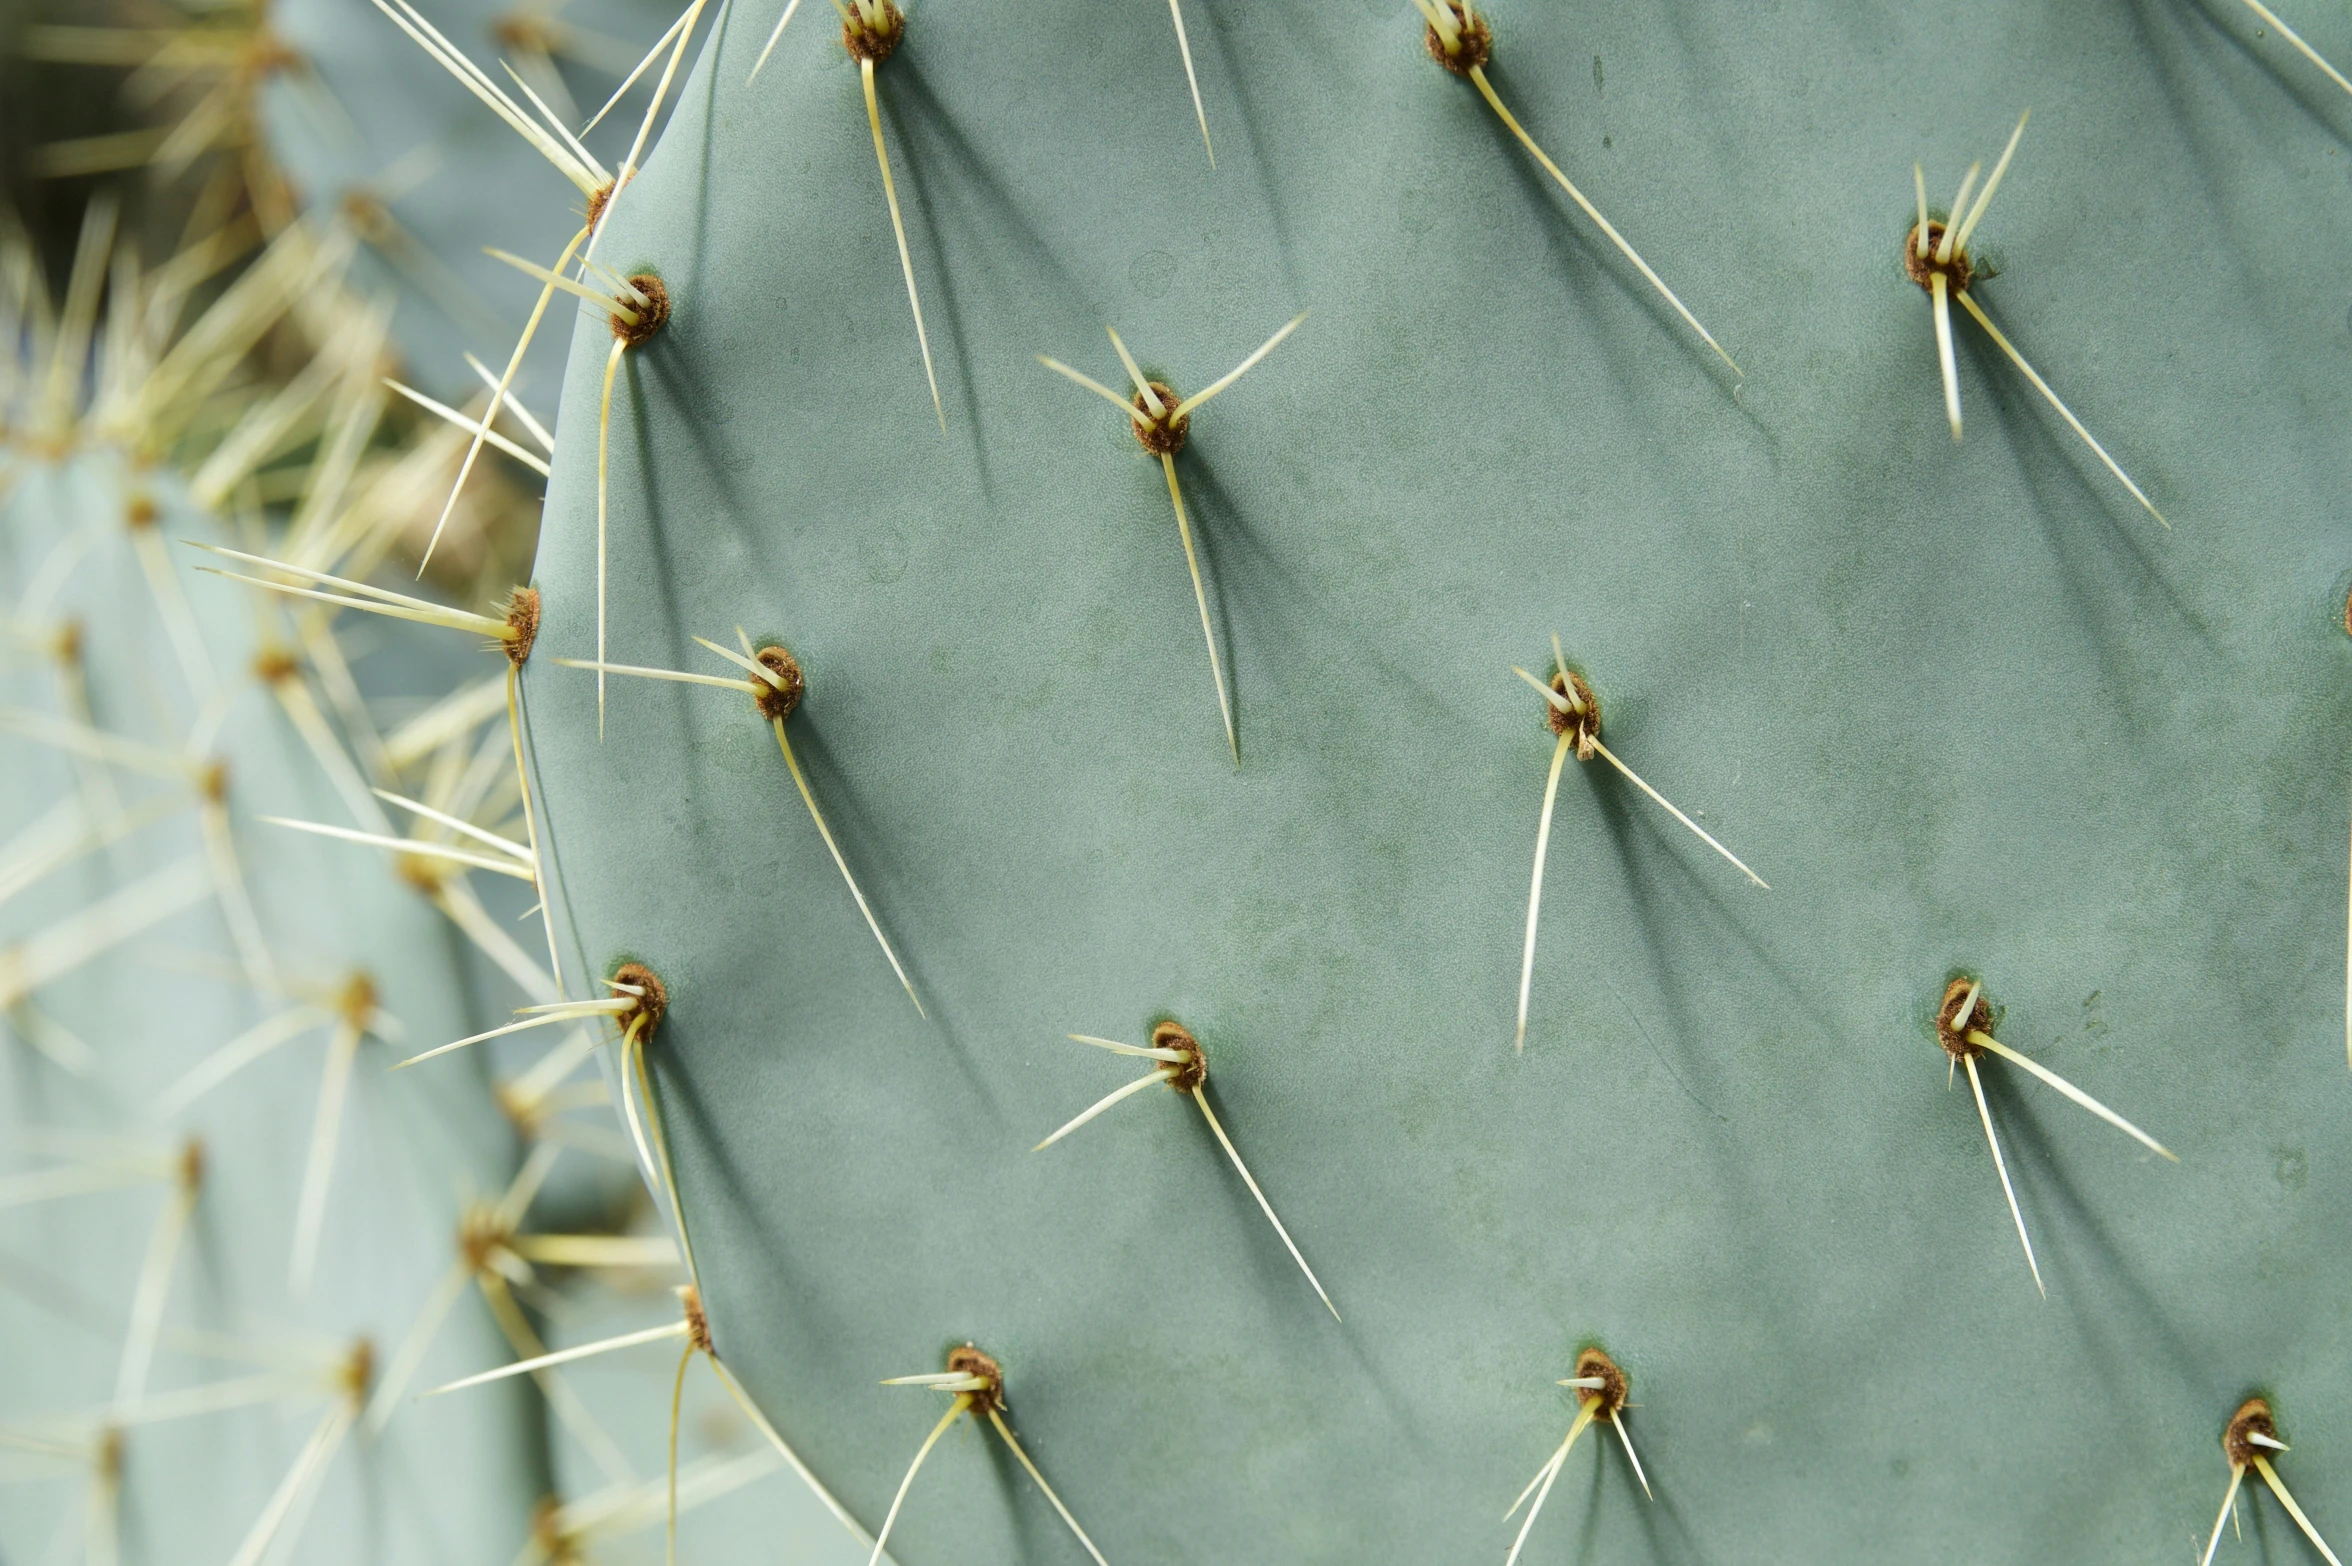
(1968, 707)
(220, 1217)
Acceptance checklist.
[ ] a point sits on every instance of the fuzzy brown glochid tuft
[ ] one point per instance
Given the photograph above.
(367, 216)
(357, 1001)
(522, 619)
(1161, 433)
(872, 31)
(1174, 1035)
(652, 997)
(642, 322)
(1956, 1015)
(1607, 1398)
(1473, 43)
(781, 700)
(358, 1371)
(548, 1538)
(697, 1321)
(189, 1171)
(527, 32)
(1585, 721)
(598, 201)
(969, 1361)
(2253, 1418)
(275, 666)
(482, 1232)
(1921, 266)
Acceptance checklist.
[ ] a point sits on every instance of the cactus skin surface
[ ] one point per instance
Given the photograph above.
(454, 1479)
(1965, 706)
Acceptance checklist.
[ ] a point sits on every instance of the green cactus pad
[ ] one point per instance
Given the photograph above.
(443, 1481)
(1967, 707)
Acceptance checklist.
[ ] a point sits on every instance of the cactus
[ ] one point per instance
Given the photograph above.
(221, 1216)
(2044, 784)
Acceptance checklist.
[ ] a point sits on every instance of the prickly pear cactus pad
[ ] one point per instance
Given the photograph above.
(228, 1347)
(1969, 709)
(220, 1220)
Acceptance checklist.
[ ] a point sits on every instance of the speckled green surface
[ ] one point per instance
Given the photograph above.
(1963, 706)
